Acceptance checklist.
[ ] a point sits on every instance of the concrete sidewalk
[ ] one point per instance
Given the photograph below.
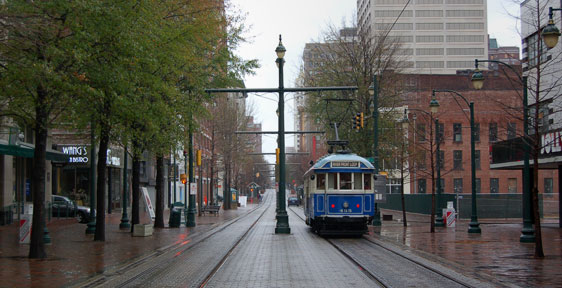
(74, 256)
(496, 253)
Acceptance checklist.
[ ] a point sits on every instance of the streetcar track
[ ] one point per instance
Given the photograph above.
(436, 271)
(350, 258)
(174, 248)
(223, 260)
(373, 276)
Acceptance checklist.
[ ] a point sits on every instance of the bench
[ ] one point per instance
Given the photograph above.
(211, 209)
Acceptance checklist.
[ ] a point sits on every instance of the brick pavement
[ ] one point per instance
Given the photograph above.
(74, 256)
(495, 254)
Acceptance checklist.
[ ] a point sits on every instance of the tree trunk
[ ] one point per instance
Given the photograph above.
(159, 221)
(37, 247)
(136, 191)
(100, 195)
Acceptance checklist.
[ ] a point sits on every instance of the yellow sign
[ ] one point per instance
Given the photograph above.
(384, 173)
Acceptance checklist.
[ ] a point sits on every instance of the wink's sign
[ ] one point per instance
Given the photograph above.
(551, 142)
(78, 154)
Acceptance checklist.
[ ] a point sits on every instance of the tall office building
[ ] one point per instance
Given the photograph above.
(436, 36)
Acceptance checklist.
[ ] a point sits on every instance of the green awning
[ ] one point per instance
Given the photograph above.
(27, 152)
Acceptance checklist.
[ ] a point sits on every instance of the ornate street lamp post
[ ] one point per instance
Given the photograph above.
(282, 217)
(528, 232)
(125, 218)
(434, 108)
(474, 226)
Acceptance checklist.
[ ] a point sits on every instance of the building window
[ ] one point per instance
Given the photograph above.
(429, 39)
(422, 186)
(465, 13)
(441, 159)
(493, 132)
(421, 160)
(466, 38)
(465, 26)
(457, 159)
(477, 132)
(457, 132)
(465, 51)
(429, 13)
(511, 130)
(512, 185)
(457, 185)
(430, 64)
(477, 160)
(478, 185)
(429, 51)
(421, 132)
(548, 187)
(533, 46)
(494, 185)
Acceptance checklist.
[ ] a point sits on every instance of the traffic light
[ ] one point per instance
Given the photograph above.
(183, 178)
(198, 157)
(277, 151)
(362, 122)
(358, 123)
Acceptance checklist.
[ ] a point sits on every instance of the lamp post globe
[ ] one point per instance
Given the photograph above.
(477, 79)
(550, 34)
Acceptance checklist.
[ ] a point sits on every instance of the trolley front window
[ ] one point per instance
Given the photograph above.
(357, 181)
(367, 182)
(345, 181)
(332, 179)
(321, 181)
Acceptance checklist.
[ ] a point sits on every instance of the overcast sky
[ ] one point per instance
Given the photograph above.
(303, 21)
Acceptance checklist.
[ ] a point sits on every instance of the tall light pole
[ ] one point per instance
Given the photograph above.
(474, 226)
(124, 217)
(439, 213)
(190, 221)
(91, 229)
(282, 217)
(374, 91)
(528, 232)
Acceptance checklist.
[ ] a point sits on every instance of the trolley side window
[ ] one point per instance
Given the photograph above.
(332, 179)
(321, 181)
(345, 181)
(367, 181)
(357, 181)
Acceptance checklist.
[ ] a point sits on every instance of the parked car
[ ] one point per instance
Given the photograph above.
(64, 207)
(293, 201)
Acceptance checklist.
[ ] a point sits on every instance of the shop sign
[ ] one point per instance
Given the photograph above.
(113, 157)
(77, 153)
(551, 142)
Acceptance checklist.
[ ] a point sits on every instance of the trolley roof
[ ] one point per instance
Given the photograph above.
(342, 163)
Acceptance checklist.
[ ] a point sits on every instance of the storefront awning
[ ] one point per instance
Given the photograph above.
(27, 152)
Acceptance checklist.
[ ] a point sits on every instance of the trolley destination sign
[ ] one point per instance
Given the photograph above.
(345, 164)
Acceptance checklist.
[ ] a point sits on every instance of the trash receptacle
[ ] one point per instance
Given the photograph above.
(175, 216)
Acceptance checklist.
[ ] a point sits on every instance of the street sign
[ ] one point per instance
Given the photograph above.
(380, 189)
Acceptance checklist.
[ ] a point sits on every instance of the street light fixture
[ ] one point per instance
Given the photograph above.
(550, 33)
(474, 226)
(528, 232)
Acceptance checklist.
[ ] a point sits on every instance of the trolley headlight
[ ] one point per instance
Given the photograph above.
(345, 205)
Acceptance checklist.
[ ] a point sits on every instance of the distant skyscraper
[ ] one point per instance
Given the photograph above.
(437, 36)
